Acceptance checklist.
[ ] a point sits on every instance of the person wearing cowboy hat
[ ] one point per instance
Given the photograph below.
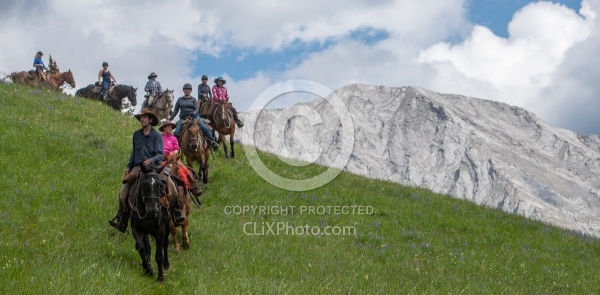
(147, 151)
(153, 89)
(38, 64)
(187, 106)
(171, 150)
(220, 94)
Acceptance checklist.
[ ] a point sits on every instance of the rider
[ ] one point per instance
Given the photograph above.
(105, 77)
(153, 89)
(171, 151)
(220, 94)
(38, 64)
(204, 93)
(148, 151)
(189, 108)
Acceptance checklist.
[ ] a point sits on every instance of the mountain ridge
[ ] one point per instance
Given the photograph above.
(480, 150)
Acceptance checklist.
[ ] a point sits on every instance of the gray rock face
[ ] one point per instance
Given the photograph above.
(484, 151)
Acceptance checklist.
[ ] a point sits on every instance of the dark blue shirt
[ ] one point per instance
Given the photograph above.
(146, 147)
(106, 76)
(204, 89)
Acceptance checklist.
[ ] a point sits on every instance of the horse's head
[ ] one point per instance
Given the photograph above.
(223, 112)
(169, 96)
(193, 135)
(69, 78)
(152, 190)
(132, 95)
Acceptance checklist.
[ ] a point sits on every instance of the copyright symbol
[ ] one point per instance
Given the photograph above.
(300, 148)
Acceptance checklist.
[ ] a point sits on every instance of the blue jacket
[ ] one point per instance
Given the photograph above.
(146, 147)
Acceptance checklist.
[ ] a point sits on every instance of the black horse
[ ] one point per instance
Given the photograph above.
(150, 216)
(115, 95)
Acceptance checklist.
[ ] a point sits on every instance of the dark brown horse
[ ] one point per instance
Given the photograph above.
(115, 95)
(148, 199)
(173, 165)
(163, 104)
(195, 147)
(222, 118)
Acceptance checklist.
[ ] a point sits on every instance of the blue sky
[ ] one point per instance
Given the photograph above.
(539, 55)
(242, 63)
(495, 14)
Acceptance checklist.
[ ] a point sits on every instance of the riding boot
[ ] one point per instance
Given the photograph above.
(123, 221)
(237, 120)
(179, 217)
(214, 145)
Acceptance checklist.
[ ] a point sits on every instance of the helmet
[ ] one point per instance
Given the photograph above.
(204, 77)
(105, 64)
(187, 86)
(40, 53)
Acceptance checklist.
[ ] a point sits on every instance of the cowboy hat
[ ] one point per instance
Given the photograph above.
(40, 53)
(164, 123)
(152, 75)
(150, 114)
(220, 78)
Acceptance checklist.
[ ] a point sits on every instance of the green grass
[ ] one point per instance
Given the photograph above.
(62, 158)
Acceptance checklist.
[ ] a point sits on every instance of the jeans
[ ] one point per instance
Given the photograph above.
(203, 127)
(105, 87)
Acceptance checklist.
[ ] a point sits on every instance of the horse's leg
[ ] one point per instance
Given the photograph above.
(184, 233)
(231, 142)
(184, 226)
(174, 235)
(166, 263)
(161, 235)
(224, 141)
(141, 245)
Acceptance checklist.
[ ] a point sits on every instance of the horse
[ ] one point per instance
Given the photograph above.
(162, 104)
(223, 122)
(115, 95)
(150, 216)
(195, 147)
(204, 108)
(57, 80)
(28, 78)
(184, 200)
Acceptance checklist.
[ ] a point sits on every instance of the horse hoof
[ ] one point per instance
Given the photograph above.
(161, 279)
(149, 272)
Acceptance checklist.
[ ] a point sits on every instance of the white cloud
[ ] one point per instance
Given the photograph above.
(548, 58)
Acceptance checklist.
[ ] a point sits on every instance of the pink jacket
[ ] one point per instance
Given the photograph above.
(169, 143)
(219, 93)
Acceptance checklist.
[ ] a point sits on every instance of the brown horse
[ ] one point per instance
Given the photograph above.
(195, 147)
(204, 108)
(57, 80)
(163, 104)
(184, 200)
(24, 77)
(223, 122)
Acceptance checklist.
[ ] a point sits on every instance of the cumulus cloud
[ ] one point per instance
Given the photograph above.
(546, 61)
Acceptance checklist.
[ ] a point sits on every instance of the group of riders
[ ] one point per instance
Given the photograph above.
(151, 148)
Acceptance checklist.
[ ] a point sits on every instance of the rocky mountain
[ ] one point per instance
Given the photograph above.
(484, 151)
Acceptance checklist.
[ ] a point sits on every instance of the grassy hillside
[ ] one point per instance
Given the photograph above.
(62, 157)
